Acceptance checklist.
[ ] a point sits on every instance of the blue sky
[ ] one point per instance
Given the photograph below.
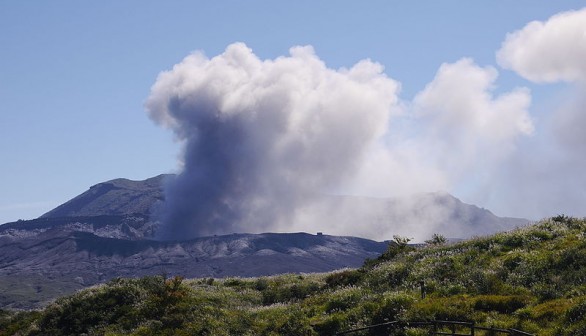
(74, 78)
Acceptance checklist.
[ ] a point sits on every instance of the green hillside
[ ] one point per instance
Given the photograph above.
(533, 279)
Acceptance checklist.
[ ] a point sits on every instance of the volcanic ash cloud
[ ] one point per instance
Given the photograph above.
(260, 137)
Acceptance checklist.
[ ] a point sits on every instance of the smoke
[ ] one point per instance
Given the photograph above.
(262, 137)
(264, 140)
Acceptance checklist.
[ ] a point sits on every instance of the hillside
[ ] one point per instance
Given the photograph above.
(531, 279)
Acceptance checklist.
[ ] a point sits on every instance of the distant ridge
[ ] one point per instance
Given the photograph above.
(51, 257)
(438, 212)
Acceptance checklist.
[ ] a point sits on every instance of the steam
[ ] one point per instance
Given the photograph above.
(264, 140)
(262, 137)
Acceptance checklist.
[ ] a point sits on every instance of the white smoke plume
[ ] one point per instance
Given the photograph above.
(264, 140)
(262, 136)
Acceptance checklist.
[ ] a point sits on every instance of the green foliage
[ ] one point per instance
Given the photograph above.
(391, 307)
(13, 323)
(500, 303)
(576, 318)
(532, 278)
(344, 278)
(283, 292)
(454, 308)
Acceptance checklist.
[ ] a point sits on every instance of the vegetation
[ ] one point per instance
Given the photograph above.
(533, 278)
(34, 290)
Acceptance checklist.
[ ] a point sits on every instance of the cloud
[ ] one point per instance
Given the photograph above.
(261, 136)
(546, 177)
(549, 51)
(454, 132)
(465, 128)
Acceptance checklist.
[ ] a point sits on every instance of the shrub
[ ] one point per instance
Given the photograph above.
(275, 293)
(261, 284)
(454, 308)
(484, 282)
(234, 282)
(17, 323)
(344, 278)
(344, 299)
(577, 313)
(500, 303)
(392, 307)
(330, 324)
(97, 306)
(576, 318)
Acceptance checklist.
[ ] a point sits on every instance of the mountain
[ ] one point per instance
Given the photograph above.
(107, 232)
(115, 197)
(416, 216)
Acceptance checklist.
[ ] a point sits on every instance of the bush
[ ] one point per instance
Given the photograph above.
(344, 299)
(288, 292)
(99, 306)
(500, 303)
(454, 308)
(331, 324)
(234, 282)
(344, 278)
(392, 307)
(576, 318)
(17, 323)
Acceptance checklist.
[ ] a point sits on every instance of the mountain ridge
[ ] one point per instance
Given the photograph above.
(56, 260)
(117, 196)
(437, 212)
(107, 232)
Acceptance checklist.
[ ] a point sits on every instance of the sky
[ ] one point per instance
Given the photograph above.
(485, 98)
